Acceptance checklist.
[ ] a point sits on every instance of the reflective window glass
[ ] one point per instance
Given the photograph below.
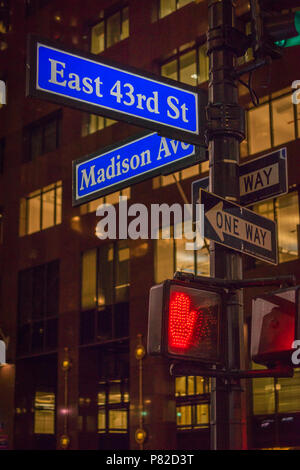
(180, 386)
(283, 120)
(48, 204)
(98, 44)
(125, 24)
(167, 7)
(202, 411)
(101, 420)
(113, 29)
(164, 260)
(118, 420)
(34, 214)
(259, 128)
(88, 286)
(289, 393)
(287, 214)
(188, 68)
(114, 394)
(184, 415)
(44, 413)
(169, 70)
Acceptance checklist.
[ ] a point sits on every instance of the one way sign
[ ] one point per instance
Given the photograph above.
(260, 179)
(264, 177)
(238, 228)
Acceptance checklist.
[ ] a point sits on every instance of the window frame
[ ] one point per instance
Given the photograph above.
(108, 14)
(96, 310)
(252, 263)
(40, 126)
(44, 318)
(269, 100)
(108, 406)
(39, 193)
(181, 51)
(159, 17)
(192, 400)
(174, 260)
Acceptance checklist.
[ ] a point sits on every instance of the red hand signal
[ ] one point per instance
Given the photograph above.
(182, 321)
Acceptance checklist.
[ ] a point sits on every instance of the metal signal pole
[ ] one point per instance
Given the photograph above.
(226, 129)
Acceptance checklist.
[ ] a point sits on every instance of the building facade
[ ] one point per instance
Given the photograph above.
(74, 307)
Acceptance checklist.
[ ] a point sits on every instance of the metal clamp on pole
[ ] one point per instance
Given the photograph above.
(225, 119)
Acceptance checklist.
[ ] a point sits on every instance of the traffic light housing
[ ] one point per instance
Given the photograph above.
(275, 326)
(272, 31)
(184, 322)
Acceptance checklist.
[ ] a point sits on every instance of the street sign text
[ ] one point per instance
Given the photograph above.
(82, 80)
(238, 228)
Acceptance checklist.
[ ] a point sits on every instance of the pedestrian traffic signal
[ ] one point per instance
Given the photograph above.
(271, 31)
(184, 321)
(275, 326)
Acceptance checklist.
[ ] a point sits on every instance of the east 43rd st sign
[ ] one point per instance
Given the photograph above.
(238, 228)
(81, 80)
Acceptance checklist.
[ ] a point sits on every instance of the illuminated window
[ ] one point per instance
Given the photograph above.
(272, 123)
(195, 170)
(184, 416)
(263, 396)
(191, 385)
(113, 406)
(41, 209)
(92, 123)
(192, 402)
(249, 53)
(42, 137)
(283, 120)
(89, 279)
(285, 211)
(171, 256)
(110, 30)
(288, 394)
(105, 293)
(189, 65)
(44, 413)
(169, 6)
(38, 298)
(272, 395)
(188, 68)
(4, 23)
(112, 198)
(259, 128)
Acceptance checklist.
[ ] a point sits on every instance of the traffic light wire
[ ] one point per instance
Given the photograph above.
(249, 86)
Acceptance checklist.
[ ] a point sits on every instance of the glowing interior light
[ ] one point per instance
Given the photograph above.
(182, 320)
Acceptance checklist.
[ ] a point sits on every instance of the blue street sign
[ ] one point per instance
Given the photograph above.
(129, 162)
(81, 80)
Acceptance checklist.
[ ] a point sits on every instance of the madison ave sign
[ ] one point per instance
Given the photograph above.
(239, 228)
(130, 162)
(81, 80)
